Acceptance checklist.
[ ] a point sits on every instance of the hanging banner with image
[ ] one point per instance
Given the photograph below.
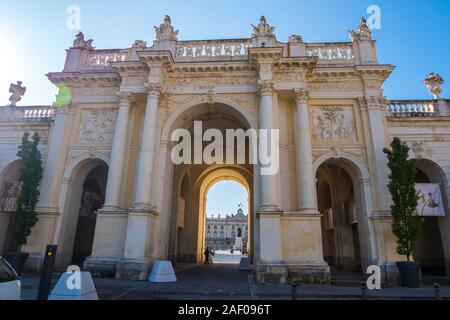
(10, 196)
(430, 202)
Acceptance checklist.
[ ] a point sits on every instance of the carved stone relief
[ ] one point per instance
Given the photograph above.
(248, 101)
(418, 149)
(333, 123)
(97, 126)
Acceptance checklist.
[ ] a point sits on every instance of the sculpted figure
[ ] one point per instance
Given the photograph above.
(17, 92)
(80, 43)
(165, 31)
(363, 33)
(263, 29)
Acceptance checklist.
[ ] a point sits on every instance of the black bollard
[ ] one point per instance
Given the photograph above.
(294, 291)
(364, 291)
(46, 273)
(437, 291)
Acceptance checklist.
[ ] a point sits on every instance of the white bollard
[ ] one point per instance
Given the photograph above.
(74, 286)
(162, 272)
(244, 265)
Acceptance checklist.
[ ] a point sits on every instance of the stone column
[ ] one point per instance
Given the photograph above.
(373, 121)
(142, 217)
(270, 268)
(268, 181)
(147, 153)
(118, 154)
(47, 208)
(305, 179)
(373, 116)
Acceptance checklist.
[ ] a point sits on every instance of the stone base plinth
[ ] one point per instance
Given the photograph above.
(101, 267)
(136, 270)
(273, 272)
(309, 273)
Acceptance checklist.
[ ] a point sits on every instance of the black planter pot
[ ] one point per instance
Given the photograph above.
(17, 261)
(410, 274)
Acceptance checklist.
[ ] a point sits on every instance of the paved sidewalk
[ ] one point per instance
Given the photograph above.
(225, 282)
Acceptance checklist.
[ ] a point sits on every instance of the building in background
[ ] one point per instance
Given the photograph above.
(229, 231)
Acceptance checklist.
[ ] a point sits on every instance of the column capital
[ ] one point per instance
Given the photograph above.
(372, 102)
(301, 95)
(154, 89)
(265, 87)
(126, 98)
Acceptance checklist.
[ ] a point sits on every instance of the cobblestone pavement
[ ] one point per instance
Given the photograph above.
(225, 282)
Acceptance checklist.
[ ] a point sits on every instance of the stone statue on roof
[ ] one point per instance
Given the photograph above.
(166, 31)
(263, 29)
(363, 33)
(17, 91)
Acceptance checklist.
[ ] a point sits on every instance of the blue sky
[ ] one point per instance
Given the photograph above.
(224, 198)
(415, 35)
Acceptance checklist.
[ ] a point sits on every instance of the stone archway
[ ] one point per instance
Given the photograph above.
(433, 247)
(8, 181)
(82, 195)
(344, 199)
(185, 242)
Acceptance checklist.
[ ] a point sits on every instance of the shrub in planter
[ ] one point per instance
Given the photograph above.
(31, 172)
(406, 224)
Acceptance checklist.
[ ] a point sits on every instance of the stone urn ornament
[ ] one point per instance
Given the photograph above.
(433, 83)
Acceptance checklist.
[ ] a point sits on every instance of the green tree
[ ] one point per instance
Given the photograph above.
(31, 172)
(406, 224)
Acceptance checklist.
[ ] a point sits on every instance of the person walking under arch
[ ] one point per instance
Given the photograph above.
(207, 252)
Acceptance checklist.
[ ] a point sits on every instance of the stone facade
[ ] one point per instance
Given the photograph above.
(327, 101)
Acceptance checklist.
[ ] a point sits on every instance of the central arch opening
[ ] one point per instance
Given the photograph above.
(193, 182)
(227, 231)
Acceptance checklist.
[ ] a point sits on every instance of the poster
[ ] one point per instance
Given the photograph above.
(430, 202)
(10, 196)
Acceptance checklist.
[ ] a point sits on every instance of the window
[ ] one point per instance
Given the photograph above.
(221, 227)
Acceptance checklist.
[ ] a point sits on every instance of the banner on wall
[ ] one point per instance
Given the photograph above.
(430, 202)
(10, 196)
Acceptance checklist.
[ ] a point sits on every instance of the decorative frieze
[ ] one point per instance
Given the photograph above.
(206, 82)
(289, 77)
(333, 123)
(336, 86)
(97, 126)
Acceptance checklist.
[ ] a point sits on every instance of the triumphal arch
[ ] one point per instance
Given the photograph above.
(113, 199)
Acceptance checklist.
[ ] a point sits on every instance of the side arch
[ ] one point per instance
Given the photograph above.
(433, 247)
(363, 195)
(70, 199)
(10, 172)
